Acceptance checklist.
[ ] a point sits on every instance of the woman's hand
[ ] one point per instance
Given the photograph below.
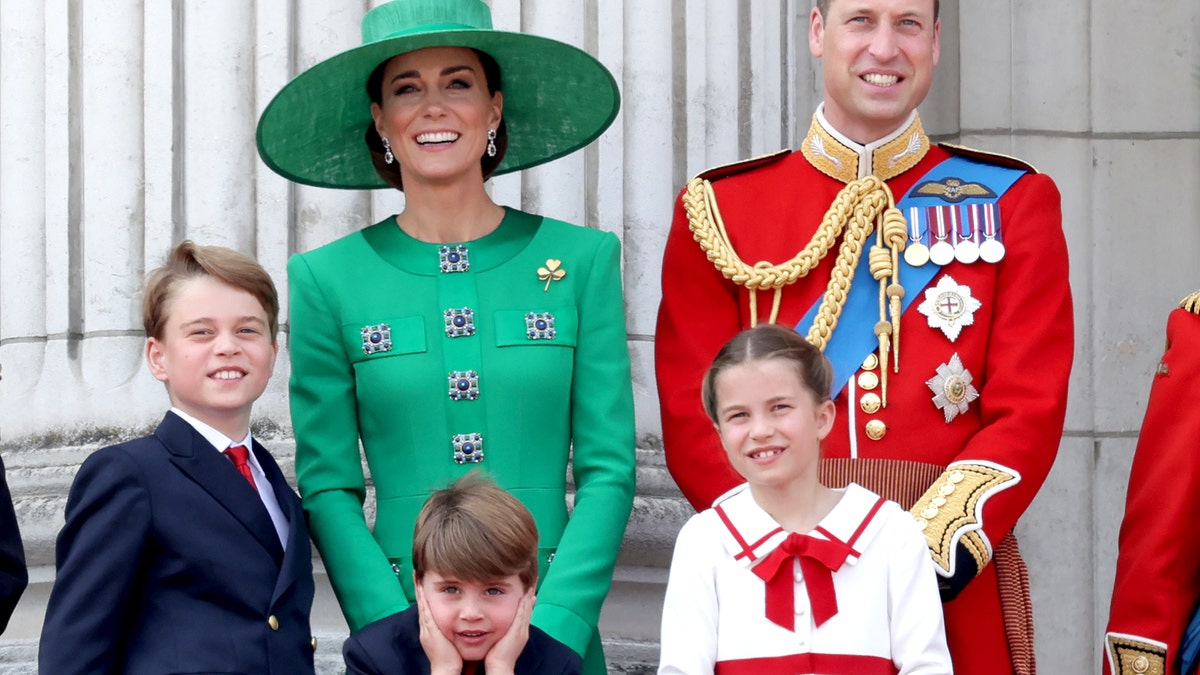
(444, 658)
(502, 658)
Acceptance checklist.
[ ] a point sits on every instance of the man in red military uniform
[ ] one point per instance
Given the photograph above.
(1158, 567)
(947, 317)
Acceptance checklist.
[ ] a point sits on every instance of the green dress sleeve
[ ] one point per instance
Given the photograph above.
(602, 423)
(328, 465)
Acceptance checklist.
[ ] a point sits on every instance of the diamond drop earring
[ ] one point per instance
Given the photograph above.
(387, 150)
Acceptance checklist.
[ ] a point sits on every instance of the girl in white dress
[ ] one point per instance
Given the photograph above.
(783, 574)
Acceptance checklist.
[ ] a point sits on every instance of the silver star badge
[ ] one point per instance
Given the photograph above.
(952, 388)
(949, 306)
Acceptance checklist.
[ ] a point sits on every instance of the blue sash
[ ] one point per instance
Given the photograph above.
(854, 338)
(1189, 646)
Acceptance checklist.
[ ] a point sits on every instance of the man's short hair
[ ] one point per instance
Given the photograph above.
(189, 260)
(476, 531)
(823, 8)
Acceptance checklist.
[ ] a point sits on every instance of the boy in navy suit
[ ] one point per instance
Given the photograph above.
(474, 567)
(186, 551)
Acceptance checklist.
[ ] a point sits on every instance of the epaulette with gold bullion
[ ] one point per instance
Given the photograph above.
(1136, 655)
(988, 157)
(742, 166)
(1191, 303)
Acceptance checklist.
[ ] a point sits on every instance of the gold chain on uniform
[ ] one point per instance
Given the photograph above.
(857, 209)
(1191, 303)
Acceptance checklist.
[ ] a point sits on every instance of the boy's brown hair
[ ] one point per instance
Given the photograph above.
(189, 260)
(477, 531)
(769, 341)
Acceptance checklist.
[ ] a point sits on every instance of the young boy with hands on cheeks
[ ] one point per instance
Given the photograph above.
(474, 570)
(186, 551)
(783, 574)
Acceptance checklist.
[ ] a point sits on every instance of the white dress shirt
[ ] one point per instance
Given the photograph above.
(221, 443)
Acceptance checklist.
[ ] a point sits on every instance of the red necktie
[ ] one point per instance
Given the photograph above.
(239, 454)
(819, 558)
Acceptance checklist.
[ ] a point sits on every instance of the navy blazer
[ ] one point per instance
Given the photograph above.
(169, 563)
(13, 576)
(392, 646)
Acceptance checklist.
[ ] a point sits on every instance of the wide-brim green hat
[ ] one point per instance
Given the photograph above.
(557, 98)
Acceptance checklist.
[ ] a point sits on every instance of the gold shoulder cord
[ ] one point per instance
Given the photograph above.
(857, 209)
(1191, 303)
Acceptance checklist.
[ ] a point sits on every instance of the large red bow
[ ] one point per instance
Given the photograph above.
(819, 558)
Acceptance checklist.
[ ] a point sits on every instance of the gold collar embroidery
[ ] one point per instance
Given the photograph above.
(843, 159)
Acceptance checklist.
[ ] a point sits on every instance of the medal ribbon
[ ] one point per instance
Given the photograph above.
(915, 233)
(989, 221)
(972, 232)
(819, 559)
(941, 215)
(956, 220)
(855, 334)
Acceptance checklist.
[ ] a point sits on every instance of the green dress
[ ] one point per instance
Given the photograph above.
(502, 354)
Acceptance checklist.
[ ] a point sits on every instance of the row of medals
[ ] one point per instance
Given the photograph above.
(967, 249)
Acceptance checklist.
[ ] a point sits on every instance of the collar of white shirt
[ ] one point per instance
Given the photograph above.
(220, 441)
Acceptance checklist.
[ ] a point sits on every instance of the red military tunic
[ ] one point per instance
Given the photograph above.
(1017, 354)
(1158, 567)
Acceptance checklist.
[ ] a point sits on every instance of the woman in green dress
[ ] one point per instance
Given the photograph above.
(458, 334)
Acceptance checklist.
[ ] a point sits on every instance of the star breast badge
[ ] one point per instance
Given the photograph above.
(952, 388)
(949, 306)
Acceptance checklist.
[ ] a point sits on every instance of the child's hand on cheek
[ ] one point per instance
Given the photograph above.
(444, 659)
(501, 659)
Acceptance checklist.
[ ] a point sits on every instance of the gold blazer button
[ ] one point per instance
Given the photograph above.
(876, 430)
(870, 403)
(868, 380)
(273, 622)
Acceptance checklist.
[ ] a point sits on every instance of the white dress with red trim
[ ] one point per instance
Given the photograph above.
(886, 613)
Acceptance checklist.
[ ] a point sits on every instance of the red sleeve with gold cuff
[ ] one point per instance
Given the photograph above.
(1158, 565)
